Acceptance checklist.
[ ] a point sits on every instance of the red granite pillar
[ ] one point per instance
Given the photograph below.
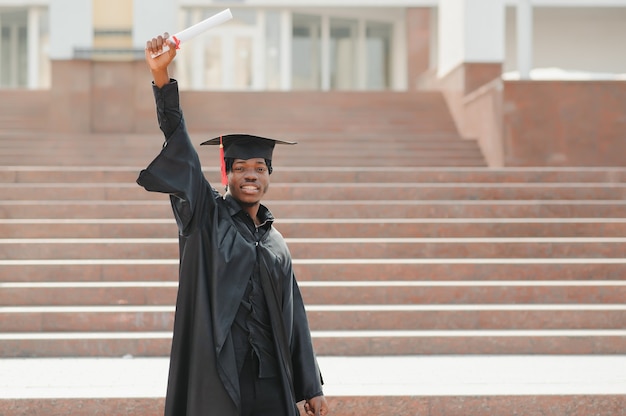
(418, 44)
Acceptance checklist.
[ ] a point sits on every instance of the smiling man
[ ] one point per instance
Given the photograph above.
(241, 342)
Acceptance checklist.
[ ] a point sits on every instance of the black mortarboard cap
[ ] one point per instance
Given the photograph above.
(244, 146)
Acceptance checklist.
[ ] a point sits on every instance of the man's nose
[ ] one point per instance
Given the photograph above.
(251, 175)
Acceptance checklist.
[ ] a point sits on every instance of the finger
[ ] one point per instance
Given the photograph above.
(160, 42)
(150, 45)
(155, 44)
(167, 40)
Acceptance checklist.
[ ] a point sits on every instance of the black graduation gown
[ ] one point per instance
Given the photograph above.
(216, 262)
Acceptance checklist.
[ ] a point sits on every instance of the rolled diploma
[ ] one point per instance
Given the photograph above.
(198, 28)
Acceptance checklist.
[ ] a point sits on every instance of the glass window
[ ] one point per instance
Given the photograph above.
(13, 49)
(244, 54)
(22, 56)
(45, 72)
(230, 51)
(242, 64)
(223, 58)
(214, 76)
(272, 50)
(343, 54)
(306, 52)
(5, 57)
(378, 56)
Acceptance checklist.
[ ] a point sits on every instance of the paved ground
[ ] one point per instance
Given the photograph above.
(344, 376)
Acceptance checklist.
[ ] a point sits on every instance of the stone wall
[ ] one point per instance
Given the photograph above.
(564, 123)
(537, 123)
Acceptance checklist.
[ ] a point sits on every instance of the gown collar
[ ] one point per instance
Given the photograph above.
(264, 214)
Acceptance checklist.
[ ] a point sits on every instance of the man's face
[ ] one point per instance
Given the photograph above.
(248, 180)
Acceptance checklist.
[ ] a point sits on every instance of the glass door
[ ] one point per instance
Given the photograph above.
(332, 53)
(344, 59)
(225, 57)
(13, 49)
(281, 50)
(378, 55)
(229, 60)
(306, 52)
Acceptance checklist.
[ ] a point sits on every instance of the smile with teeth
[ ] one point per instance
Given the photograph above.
(249, 188)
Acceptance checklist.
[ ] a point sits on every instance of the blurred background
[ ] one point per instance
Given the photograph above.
(317, 45)
(500, 64)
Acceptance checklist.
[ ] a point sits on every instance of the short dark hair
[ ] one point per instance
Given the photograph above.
(230, 160)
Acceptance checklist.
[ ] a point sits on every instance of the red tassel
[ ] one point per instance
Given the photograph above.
(223, 162)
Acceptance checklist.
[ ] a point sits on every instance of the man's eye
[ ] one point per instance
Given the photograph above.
(261, 170)
(238, 169)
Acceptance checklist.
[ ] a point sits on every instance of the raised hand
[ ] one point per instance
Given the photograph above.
(159, 64)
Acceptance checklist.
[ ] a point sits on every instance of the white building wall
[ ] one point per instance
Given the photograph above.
(451, 27)
(470, 31)
(312, 3)
(71, 26)
(578, 39)
(153, 17)
(484, 31)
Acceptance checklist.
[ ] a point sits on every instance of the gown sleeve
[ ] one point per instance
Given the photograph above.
(176, 170)
(306, 373)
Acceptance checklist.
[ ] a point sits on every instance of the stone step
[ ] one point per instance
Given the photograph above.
(314, 147)
(532, 405)
(311, 156)
(143, 149)
(330, 248)
(91, 157)
(328, 293)
(125, 318)
(330, 209)
(354, 343)
(405, 129)
(330, 228)
(17, 123)
(336, 343)
(85, 406)
(351, 174)
(335, 191)
(465, 317)
(331, 270)
(24, 110)
(317, 144)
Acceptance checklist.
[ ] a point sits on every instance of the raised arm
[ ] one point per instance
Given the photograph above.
(176, 170)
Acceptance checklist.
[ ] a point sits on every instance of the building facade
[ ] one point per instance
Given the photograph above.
(317, 45)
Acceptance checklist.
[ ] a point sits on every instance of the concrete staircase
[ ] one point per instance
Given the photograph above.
(403, 244)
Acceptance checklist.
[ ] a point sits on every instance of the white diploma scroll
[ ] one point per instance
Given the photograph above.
(197, 29)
